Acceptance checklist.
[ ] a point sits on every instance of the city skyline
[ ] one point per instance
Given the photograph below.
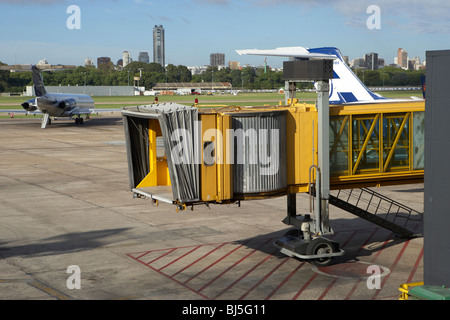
(196, 28)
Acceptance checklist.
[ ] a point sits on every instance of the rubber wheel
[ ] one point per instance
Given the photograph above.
(320, 246)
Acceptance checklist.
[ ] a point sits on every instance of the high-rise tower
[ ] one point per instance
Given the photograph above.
(159, 55)
(143, 57)
(126, 57)
(217, 59)
(402, 58)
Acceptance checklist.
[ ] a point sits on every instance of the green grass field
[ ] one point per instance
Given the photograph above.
(242, 99)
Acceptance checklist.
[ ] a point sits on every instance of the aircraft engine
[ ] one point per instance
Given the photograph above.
(65, 104)
(29, 106)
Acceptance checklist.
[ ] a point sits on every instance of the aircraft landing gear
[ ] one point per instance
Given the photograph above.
(79, 121)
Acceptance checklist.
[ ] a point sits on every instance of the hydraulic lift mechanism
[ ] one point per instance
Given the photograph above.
(306, 240)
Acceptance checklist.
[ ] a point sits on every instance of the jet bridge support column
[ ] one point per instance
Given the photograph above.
(306, 240)
(323, 194)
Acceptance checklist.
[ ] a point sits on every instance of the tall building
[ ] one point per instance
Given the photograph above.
(88, 62)
(103, 60)
(414, 63)
(402, 58)
(159, 54)
(217, 59)
(358, 63)
(346, 60)
(126, 58)
(143, 57)
(371, 61)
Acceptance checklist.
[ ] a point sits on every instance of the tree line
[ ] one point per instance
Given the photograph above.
(247, 78)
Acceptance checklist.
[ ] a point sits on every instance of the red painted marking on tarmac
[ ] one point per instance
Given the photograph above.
(377, 254)
(172, 262)
(397, 259)
(165, 252)
(328, 288)
(232, 266)
(250, 267)
(304, 287)
(263, 279)
(416, 265)
(244, 275)
(162, 273)
(156, 259)
(214, 263)
(285, 279)
(204, 256)
(352, 291)
(350, 238)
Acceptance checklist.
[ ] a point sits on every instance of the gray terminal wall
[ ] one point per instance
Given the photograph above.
(89, 90)
(437, 170)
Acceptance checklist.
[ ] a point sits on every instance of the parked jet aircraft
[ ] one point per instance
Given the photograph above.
(345, 87)
(54, 104)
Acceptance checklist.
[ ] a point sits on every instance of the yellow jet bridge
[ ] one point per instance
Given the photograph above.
(187, 155)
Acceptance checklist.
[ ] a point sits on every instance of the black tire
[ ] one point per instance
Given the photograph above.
(320, 246)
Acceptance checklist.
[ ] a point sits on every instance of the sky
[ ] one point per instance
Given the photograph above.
(38, 29)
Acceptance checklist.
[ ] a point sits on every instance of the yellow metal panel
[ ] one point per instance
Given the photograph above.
(151, 179)
(158, 174)
(163, 176)
(208, 172)
(371, 108)
(301, 139)
(224, 168)
(292, 142)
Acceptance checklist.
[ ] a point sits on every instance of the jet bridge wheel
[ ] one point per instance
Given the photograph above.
(320, 246)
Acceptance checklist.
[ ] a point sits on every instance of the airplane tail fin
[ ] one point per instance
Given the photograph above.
(38, 83)
(345, 87)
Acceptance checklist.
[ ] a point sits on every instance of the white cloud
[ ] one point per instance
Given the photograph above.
(417, 16)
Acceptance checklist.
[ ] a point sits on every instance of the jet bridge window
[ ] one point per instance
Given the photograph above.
(418, 140)
(396, 141)
(160, 150)
(365, 143)
(339, 145)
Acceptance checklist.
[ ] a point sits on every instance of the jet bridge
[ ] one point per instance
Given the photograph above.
(187, 156)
